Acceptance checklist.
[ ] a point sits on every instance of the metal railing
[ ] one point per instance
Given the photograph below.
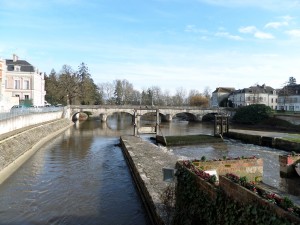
(8, 114)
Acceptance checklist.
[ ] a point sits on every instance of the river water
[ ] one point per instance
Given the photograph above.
(81, 177)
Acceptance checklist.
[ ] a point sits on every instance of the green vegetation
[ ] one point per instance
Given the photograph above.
(194, 205)
(252, 114)
(192, 139)
(71, 87)
(292, 139)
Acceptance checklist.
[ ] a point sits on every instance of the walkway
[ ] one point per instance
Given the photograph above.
(146, 160)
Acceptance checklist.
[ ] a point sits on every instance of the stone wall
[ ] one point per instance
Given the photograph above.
(252, 168)
(15, 150)
(287, 165)
(225, 203)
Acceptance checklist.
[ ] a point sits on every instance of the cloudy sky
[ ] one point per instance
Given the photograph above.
(190, 44)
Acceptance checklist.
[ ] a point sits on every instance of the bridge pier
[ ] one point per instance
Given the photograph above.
(169, 117)
(103, 117)
(199, 118)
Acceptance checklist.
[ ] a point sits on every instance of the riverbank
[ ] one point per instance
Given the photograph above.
(16, 147)
(273, 139)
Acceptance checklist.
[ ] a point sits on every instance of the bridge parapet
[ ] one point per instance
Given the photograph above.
(104, 111)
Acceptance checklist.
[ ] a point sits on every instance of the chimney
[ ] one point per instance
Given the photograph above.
(15, 58)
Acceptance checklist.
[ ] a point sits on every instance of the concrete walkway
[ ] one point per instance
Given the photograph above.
(146, 160)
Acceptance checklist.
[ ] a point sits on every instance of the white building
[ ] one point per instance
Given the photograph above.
(254, 95)
(289, 98)
(219, 95)
(22, 81)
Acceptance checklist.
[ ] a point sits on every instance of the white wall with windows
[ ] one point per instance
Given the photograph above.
(22, 83)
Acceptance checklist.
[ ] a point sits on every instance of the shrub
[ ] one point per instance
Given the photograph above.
(252, 114)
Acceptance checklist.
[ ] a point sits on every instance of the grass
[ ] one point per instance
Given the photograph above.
(292, 139)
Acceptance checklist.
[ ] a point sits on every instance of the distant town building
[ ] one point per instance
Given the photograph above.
(22, 83)
(220, 95)
(289, 98)
(254, 95)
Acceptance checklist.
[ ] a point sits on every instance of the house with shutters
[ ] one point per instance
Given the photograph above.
(259, 94)
(289, 98)
(22, 81)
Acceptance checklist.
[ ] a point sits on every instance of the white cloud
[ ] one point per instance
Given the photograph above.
(256, 32)
(194, 29)
(294, 33)
(276, 25)
(248, 29)
(263, 35)
(229, 36)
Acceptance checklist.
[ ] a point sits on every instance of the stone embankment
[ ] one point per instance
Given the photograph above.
(146, 162)
(18, 146)
(264, 138)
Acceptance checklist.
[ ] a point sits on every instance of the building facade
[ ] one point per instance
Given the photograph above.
(219, 95)
(254, 95)
(23, 81)
(289, 98)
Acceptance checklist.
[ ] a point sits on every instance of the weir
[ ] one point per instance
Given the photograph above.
(147, 161)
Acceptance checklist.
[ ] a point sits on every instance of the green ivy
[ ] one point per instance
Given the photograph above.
(194, 206)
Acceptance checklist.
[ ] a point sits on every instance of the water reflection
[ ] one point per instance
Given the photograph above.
(79, 177)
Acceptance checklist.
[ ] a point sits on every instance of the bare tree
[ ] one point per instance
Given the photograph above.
(207, 92)
(179, 99)
(107, 91)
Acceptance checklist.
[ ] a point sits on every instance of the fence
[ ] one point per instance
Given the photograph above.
(15, 112)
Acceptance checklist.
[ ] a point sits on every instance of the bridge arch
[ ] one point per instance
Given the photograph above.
(76, 116)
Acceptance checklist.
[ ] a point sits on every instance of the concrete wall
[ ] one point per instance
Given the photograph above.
(16, 149)
(21, 121)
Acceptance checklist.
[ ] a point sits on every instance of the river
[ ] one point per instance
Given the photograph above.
(81, 177)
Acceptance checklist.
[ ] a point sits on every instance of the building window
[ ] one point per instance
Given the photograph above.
(26, 84)
(272, 100)
(17, 95)
(26, 97)
(17, 68)
(17, 84)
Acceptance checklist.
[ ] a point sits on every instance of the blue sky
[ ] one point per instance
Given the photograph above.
(190, 44)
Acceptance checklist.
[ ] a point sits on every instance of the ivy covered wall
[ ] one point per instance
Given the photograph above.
(210, 205)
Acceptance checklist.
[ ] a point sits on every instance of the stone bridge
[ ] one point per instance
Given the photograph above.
(166, 113)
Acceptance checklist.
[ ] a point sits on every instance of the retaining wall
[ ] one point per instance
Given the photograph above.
(15, 150)
(272, 142)
(21, 121)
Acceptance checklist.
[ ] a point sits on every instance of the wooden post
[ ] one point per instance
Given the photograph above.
(157, 122)
(135, 123)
